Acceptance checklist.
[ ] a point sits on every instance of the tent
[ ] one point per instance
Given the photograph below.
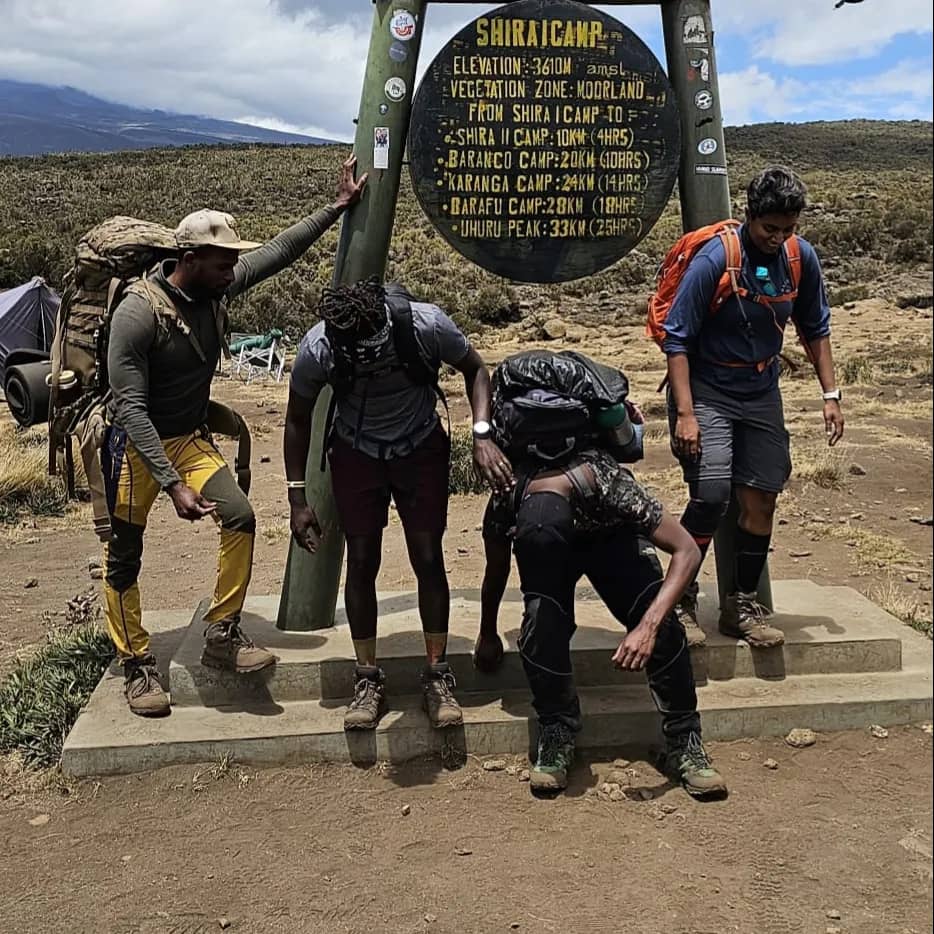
(27, 319)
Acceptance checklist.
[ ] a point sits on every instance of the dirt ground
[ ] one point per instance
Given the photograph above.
(836, 839)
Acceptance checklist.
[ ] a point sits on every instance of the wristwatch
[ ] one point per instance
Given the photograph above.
(832, 395)
(481, 430)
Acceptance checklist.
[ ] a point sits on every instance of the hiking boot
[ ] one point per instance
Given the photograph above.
(488, 652)
(437, 696)
(369, 698)
(144, 693)
(686, 611)
(686, 761)
(742, 617)
(226, 646)
(554, 758)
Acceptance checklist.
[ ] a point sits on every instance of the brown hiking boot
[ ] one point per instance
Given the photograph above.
(437, 696)
(743, 618)
(369, 698)
(686, 611)
(144, 694)
(228, 648)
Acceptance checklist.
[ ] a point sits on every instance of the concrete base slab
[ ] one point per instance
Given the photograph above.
(827, 632)
(108, 739)
(846, 664)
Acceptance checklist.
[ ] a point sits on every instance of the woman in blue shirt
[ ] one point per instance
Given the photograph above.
(724, 406)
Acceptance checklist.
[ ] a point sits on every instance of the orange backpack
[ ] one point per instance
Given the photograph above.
(679, 258)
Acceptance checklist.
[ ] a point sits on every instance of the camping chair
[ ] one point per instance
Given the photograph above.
(255, 354)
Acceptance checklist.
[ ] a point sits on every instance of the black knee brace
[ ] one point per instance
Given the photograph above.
(708, 504)
(124, 555)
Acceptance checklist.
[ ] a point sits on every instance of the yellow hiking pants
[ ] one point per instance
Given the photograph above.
(131, 492)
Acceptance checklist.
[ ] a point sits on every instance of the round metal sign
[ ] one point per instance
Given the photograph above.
(544, 141)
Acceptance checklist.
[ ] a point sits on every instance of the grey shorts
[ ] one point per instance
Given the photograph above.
(742, 440)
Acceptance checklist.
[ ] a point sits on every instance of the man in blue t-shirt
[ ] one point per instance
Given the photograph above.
(724, 406)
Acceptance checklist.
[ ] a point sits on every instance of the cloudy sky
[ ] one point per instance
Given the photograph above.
(298, 64)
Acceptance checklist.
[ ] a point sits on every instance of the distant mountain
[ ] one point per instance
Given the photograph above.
(37, 118)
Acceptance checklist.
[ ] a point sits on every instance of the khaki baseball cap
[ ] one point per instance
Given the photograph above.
(210, 228)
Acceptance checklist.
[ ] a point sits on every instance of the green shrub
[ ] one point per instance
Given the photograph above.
(463, 478)
(40, 699)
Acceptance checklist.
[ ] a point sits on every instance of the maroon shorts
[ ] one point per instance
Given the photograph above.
(417, 483)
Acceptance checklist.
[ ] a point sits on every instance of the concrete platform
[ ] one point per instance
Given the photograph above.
(845, 664)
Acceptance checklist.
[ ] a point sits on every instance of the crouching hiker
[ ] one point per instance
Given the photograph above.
(381, 352)
(577, 510)
(166, 337)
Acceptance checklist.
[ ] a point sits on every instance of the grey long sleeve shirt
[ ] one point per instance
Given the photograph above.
(159, 382)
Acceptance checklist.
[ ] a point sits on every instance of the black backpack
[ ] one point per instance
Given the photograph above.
(417, 368)
(545, 406)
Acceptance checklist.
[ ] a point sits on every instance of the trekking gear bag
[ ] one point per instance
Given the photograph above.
(110, 260)
(547, 406)
(679, 257)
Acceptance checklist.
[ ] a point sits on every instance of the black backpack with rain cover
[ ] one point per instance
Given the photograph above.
(548, 406)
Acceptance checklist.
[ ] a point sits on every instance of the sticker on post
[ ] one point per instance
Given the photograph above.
(402, 25)
(695, 31)
(710, 170)
(703, 100)
(381, 147)
(398, 51)
(699, 65)
(395, 89)
(707, 147)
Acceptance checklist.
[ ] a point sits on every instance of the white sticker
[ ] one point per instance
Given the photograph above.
(402, 25)
(699, 63)
(695, 32)
(703, 100)
(710, 170)
(395, 89)
(707, 147)
(381, 147)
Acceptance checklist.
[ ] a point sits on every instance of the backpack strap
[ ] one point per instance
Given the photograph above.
(729, 283)
(413, 361)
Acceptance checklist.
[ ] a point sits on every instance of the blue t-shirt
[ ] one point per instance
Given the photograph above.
(743, 330)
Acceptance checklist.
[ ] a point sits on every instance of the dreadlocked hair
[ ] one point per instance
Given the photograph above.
(359, 308)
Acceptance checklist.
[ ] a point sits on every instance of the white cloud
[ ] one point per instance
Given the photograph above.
(222, 59)
(814, 32)
(298, 64)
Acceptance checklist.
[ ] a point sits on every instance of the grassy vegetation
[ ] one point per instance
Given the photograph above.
(463, 478)
(909, 611)
(870, 189)
(25, 484)
(43, 694)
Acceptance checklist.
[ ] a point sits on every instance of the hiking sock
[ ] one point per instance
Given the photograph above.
(752, 551)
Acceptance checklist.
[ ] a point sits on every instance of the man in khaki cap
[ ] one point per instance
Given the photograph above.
(166, 337)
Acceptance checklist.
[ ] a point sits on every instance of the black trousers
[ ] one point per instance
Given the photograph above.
(624, 570)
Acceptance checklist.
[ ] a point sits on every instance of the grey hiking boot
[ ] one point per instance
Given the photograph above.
(686, 611)
(144, 693)
(687, 762)
(369, 698)
(227, 647)
(438, 698)
(742, 617)
(554, 758)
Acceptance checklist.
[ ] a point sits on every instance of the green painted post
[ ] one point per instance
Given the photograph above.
(703, 183)
(312, 582)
